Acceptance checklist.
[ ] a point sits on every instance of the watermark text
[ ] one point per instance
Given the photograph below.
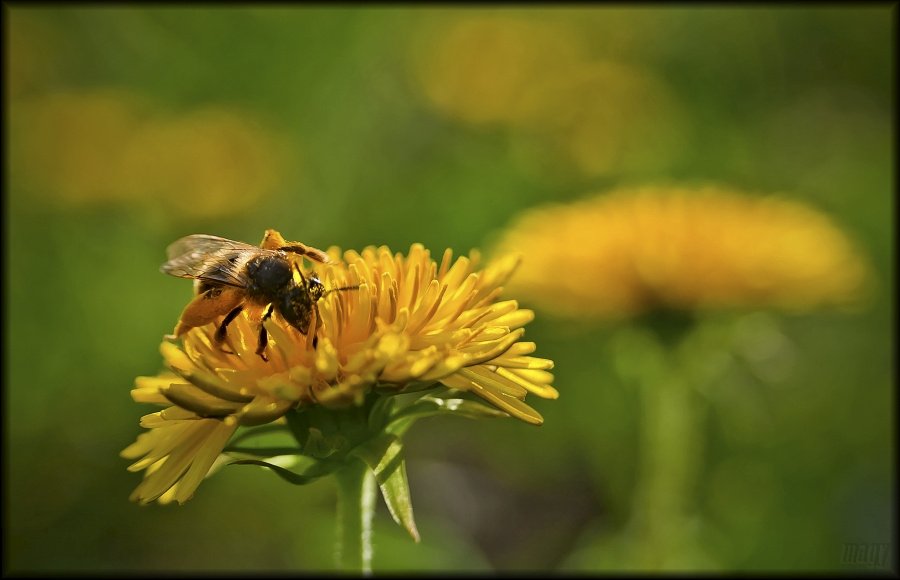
(871, 556)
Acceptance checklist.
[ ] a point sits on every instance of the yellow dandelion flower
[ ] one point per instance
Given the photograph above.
(635, 250)
(407, 324)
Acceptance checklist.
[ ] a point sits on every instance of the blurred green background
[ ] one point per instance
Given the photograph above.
(128, 128)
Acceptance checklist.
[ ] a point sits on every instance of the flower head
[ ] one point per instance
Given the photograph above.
(402, 324)
(635, 250)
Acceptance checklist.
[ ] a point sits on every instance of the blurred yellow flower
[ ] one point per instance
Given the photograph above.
(208, 163)
(635, 250)
(112, 145)
(477, 67)
(411, 324)
(590, 116)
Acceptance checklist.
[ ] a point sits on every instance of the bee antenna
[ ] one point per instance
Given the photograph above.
(296, 269)
(327, 292)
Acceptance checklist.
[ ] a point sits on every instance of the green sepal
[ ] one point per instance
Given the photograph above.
(384, 456)
(380, 414)
(316, 471)
(319, 446)
(264, 441)
(322, 432)
(272, 429)
(299, 423)
(428, 406)
(389, 390)
(312, 440)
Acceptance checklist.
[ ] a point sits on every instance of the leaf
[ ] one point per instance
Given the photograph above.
(430, 406)
(314, 472)
(384, 456)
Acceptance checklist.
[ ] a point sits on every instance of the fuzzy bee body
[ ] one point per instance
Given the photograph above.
(230, 276)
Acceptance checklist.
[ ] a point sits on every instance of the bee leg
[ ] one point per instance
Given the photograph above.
(221, 332)
(263, 334)
(315, 340)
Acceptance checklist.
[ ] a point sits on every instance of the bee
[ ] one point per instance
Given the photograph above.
(230, 276)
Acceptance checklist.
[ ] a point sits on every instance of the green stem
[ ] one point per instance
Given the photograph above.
(671, 419)
(667, 454)
(356, 507)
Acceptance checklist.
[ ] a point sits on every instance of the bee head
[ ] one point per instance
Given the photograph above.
(296, 306)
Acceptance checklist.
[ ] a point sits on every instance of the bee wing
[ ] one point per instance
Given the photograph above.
(209, 258)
